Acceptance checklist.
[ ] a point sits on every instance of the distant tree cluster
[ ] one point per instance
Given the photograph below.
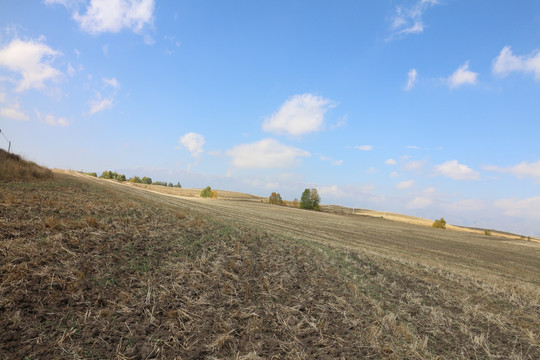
(164, 183)
(440, 224)
(310, 200)
(275, 198)
(112, 175)
(207, 192)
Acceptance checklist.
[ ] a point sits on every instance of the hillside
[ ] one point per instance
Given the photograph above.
(14, 167)
(91, 268)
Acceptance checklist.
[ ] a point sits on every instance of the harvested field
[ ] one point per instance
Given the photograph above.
(94, 269)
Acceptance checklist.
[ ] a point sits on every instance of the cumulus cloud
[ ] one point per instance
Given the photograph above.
(419, 202)
(32, 60)
(405, 184)
(507, 62)
(521, 170)
(462, 76)
(408, 20)
(525, 208)
(412, 74)
(334, 162)
(456, 171)
(300, 114)
(193, 142)
(266, 153)
(51, 120)
(390, 162)
(115, 15)
(13, 112)
(364, 147)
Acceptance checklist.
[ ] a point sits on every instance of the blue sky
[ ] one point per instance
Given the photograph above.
(427, 107)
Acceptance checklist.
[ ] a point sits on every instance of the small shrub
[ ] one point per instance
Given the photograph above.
(440, 224)
(91, 174)
(207, 192)
(275, 198)
(487, 232)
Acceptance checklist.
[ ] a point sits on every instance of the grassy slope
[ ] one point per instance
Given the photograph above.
(89, 271)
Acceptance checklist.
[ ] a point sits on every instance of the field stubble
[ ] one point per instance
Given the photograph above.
(92, 269)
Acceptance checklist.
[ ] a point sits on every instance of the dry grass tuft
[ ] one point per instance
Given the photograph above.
(15, 168)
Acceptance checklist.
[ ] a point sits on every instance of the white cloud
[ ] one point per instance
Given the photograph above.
(408, 20)
(266, 153)
(524, 169)
(70, 70)
(525, 208)
(13, 112)
(462, 76)
(412, 74)
(394, 174)
(390, 162)
(115, 15)
(51, 120)
(414, 165)
(2, 97)
(193, 142)
(507, 62)
(100, 104)
(300, 114)
(371, 171)
(32, 60)
(413, 147)
(419, 202)
(456, 171)
(405, 184)
(112, 82)
(334, 162)
(364, 147)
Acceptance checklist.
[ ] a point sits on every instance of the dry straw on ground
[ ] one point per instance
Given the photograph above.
(91, 269)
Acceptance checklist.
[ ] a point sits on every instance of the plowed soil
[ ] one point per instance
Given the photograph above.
(93, 269)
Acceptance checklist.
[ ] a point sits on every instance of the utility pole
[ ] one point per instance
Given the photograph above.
(9, 142)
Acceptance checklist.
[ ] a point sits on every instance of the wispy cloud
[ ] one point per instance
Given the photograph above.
(454, 170)
(299, 115)
(408, 19)
(507, 62)
(364, 147)
(100, 104)
(112, 82)
(266, 153)
(13, 112)
(462, 76)
(524, 208)
(32, 60)
(521, 170)
(51, 120)
(390, 162)
(405, 184)
(412, 74)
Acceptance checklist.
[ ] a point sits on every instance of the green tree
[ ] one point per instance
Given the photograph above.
(121, 177)
(207, 192)
(106, 175)
(310, 200)
(135, 179)
(275, 198)
(146, 180)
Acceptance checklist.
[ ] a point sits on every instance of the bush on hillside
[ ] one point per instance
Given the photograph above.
(440, 224)
(146, 180)
(207, 192)
(275, 198)
(135, 179)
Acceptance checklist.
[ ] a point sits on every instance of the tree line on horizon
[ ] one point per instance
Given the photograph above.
(310, 200)
(113, 175)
